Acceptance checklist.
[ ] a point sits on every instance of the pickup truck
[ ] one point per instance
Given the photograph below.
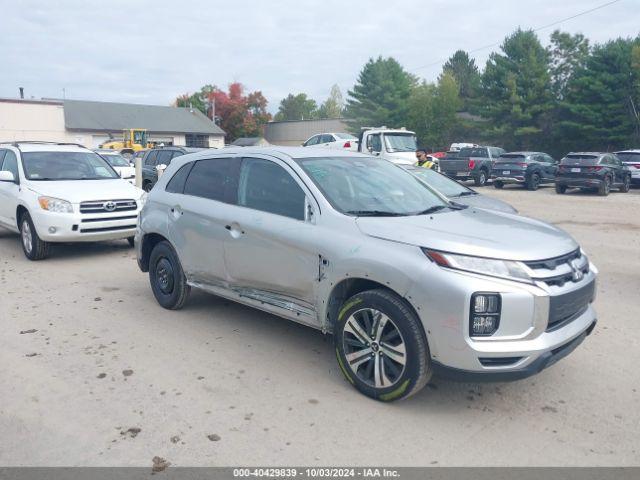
(395, 145)
(474, 163)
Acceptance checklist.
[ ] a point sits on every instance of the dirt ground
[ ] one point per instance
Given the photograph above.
(93, 372)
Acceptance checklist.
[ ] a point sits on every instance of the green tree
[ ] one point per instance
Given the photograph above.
(465, 72)
(517, 92)
(600, 110)
(380, 95)
(433, 111)
(333, 106)
(296, 107)
(567, 54)
(192, 101)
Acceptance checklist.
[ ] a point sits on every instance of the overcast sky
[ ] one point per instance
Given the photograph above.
(151, 51)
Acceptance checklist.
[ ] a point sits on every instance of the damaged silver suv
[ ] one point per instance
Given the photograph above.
(409, 283)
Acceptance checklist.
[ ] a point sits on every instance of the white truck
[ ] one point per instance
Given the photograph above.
(396, 145)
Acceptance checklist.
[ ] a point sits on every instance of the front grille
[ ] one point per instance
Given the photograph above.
(104, 206)
(565, 308)
(558, 271)
(107, 229)
(109, 219)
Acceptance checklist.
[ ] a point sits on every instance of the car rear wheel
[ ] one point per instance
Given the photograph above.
(605, 186)
(33, 247)
(498, 184)
(626, 185)
(561, 188)
(168, 282)
(381, 346)
(481, 178)
(534, 182)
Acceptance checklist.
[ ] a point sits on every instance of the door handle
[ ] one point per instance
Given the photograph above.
(235, 230)
(228, 227)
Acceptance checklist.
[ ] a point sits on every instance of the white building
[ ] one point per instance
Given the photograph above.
(92, 123)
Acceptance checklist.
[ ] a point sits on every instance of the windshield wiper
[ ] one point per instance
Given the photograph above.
(435, 208)
(375, 213)
(466, 193)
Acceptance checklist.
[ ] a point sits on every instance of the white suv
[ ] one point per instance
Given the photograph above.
(53, 192)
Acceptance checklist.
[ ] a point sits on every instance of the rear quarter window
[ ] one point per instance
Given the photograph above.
(176, 184)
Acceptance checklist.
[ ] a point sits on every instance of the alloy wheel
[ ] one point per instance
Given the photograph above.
(374, 348)
(27, 236)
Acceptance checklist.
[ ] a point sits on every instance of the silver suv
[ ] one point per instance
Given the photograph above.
(408, 283)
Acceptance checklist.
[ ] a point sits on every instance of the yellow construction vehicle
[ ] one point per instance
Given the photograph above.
(133, 140)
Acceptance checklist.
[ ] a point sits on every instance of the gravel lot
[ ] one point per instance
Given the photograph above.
(93, 372)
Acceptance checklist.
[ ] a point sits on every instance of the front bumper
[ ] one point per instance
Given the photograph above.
(528, 338)
(78, 227)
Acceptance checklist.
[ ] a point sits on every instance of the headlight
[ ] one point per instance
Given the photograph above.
(143, 199)
(55, 205)
(508, 269)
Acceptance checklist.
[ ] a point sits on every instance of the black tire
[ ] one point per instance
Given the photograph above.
(605, 187)
(147, 186)
(33, 247)
(167, 278)
(131, 241)
(626, 185)
(480, 180)
(561, 188)
(533, 182)
(396, 380)
(498, 184)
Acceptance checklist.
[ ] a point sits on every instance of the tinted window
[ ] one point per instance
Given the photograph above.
(268, 187)
(164, 157)
(10, 163)
(578, 159)
(327, 139)
(629, 156)
(176, 153)
(375, 143)
(150, 161)
(210, 179)
(1, 156)
(176, 184)
(473, 152)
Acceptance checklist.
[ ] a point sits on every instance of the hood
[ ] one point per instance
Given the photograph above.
(125, 172)
(401, 158)
(76, 191)
(482, 201)
(474, 232)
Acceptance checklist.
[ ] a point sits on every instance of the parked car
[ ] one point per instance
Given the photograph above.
(53, 192)
(458, 192)
(631, 158)
(119, 164)
(471, 163)
(593, 170)
(530, 169)
(160, 156)
(409, 283)
(333, 140)
(139, 154)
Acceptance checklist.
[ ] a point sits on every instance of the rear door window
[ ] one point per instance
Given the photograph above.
(266, 186)
(164, 157)
(327, 139)
(212, 179)
(150, 161)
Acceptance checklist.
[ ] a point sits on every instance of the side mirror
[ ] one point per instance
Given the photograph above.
(7, 177)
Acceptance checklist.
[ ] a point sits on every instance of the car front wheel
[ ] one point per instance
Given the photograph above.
(381, 347)
(166, 276)
(34, 248)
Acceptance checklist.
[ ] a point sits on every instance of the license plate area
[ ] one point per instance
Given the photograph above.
(575, 170)
(506, 172)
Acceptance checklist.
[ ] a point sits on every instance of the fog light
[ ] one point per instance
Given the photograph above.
(53, 230)
(485, 314)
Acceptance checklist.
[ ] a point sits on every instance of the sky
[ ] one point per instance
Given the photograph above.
(149, 52)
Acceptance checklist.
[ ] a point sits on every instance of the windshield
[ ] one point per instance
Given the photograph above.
(579, 160)
(446, 186)
(370, 186)
(629, 156)
(66, 166)
(116, 160)
(400, 142)
(345, 136)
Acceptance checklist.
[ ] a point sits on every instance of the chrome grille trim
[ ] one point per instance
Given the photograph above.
(98, 206)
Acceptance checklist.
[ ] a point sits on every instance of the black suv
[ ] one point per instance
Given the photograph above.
(160, 156)
(592, 170)
(526, 168)
(471, 163)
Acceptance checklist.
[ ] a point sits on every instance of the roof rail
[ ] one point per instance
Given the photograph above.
(16, 143)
